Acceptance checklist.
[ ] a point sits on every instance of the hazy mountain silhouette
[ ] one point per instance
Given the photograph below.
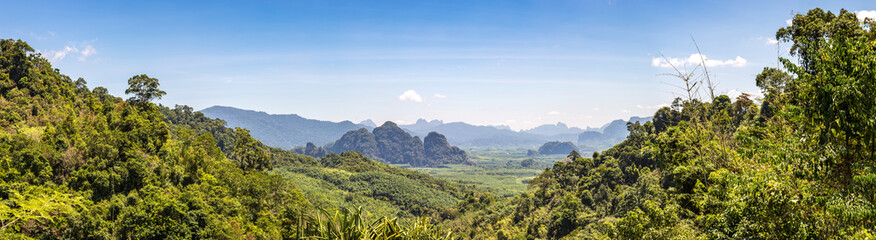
(554, 129)
(368, 123)
(609, 135)
(467, 135)
(281, 130)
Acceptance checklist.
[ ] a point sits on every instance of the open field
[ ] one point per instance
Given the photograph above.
(498, 170)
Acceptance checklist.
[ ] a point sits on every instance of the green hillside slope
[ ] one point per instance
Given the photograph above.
(77, 163)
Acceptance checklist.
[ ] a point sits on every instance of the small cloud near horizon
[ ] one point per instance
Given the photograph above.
(553, 113)
(410, 95)
(696, 59)
(439, 96)
(864, 14)
(733, 94)
(658, 106)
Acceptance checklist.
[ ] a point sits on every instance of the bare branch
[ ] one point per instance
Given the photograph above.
(705, 70)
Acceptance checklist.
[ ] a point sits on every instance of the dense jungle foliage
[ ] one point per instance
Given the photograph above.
(79, 163)
(799, 166)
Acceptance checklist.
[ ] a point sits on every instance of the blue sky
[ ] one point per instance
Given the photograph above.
(515, 63)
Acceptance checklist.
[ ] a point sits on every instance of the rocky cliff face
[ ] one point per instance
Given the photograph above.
(311, 150)
(360, 140)
(397, 146)
(438, 151)
(391, 144)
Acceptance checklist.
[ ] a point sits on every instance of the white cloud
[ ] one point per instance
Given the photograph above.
(695, 59)
(410, 95)
(789, 21)
(88, 51)
(625, 111)
(553, 113)
(658, 106)
(58, 55)
(439, 96)
(733, 94)
(768, 40)
(863, 14)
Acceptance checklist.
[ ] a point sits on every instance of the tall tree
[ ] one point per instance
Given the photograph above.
(247, 153)
(835, 81)
(144, 88)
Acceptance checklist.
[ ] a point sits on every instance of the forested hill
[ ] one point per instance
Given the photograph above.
(284, 130)
(346, 179)
(798, 166)
(79, 163)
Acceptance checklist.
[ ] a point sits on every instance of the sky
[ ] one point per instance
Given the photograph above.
(515, 63)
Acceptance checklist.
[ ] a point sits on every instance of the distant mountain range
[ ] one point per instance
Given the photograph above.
(282, 130)
(468, 136)
(558, 129)
(289, 130)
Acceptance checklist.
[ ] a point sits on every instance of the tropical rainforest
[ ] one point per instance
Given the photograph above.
(79, 163)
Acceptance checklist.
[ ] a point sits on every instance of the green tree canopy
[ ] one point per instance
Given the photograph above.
(144, 88)
(247, 152)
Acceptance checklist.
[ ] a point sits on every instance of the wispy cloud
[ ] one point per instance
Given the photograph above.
(658, 106)
(696, 59)
(88, 51)
(768, 40)
(439, 96)
(553, 113)
(57, 55)
(410, 95)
